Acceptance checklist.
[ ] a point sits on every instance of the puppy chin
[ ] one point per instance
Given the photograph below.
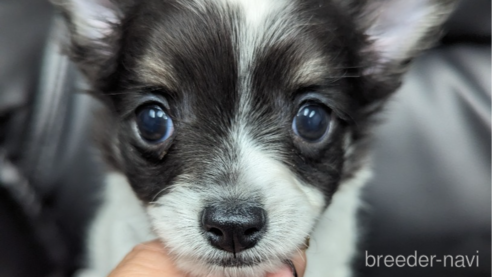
(240, 268)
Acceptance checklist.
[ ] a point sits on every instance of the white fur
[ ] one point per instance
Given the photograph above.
(333, 243)
(287, 201)
(92, 18)
(399, 25)
(122, 223)
(255, 33)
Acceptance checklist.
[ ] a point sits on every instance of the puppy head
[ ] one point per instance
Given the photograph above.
(236, 121)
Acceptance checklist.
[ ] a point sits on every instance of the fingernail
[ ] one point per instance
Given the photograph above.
(292, 267)
(307, 242)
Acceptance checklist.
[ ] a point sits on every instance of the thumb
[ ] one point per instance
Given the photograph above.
(293, 267)
(147, 259)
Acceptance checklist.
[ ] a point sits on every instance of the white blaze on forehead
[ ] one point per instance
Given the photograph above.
(256, 30)
(261, 167)
(260, 23)
(285, 198)
(256, 12)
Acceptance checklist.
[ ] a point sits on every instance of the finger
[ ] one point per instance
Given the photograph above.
(148, 259)
(298, 264)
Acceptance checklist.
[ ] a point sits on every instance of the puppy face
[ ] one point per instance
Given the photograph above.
(236, 121)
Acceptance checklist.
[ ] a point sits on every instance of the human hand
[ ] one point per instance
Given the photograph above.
(151, 260)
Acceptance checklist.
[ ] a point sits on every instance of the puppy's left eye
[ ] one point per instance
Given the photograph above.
(312, 122)
(153, 124)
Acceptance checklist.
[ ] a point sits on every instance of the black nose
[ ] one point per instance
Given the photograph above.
(233, 229)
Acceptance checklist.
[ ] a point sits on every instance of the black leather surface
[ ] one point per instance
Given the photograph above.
(22, 39)
(431, 190)
(20, 254)
(470, 22)
(74, 175)
(23, 28)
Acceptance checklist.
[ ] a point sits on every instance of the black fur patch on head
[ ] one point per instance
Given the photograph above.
(199, 56)
(190, 56)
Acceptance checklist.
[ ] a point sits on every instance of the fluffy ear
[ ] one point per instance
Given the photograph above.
(399, 29)
(92, 32)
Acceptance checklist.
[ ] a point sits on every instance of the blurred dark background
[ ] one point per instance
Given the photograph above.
(431, 192)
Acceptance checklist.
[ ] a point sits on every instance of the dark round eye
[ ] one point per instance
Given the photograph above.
(154, 124)
(311, 122)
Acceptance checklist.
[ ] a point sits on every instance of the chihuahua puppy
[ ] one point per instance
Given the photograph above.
(236, 129)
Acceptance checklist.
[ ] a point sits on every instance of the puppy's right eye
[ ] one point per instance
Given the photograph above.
(153, 124)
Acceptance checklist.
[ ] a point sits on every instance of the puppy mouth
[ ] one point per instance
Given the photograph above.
(237, 262)
(242, 263)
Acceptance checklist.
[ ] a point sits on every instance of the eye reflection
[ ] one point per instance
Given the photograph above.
(311, 122)
(153, 124)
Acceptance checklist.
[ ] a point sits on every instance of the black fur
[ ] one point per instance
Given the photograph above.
(203, 98)
(202, 51)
